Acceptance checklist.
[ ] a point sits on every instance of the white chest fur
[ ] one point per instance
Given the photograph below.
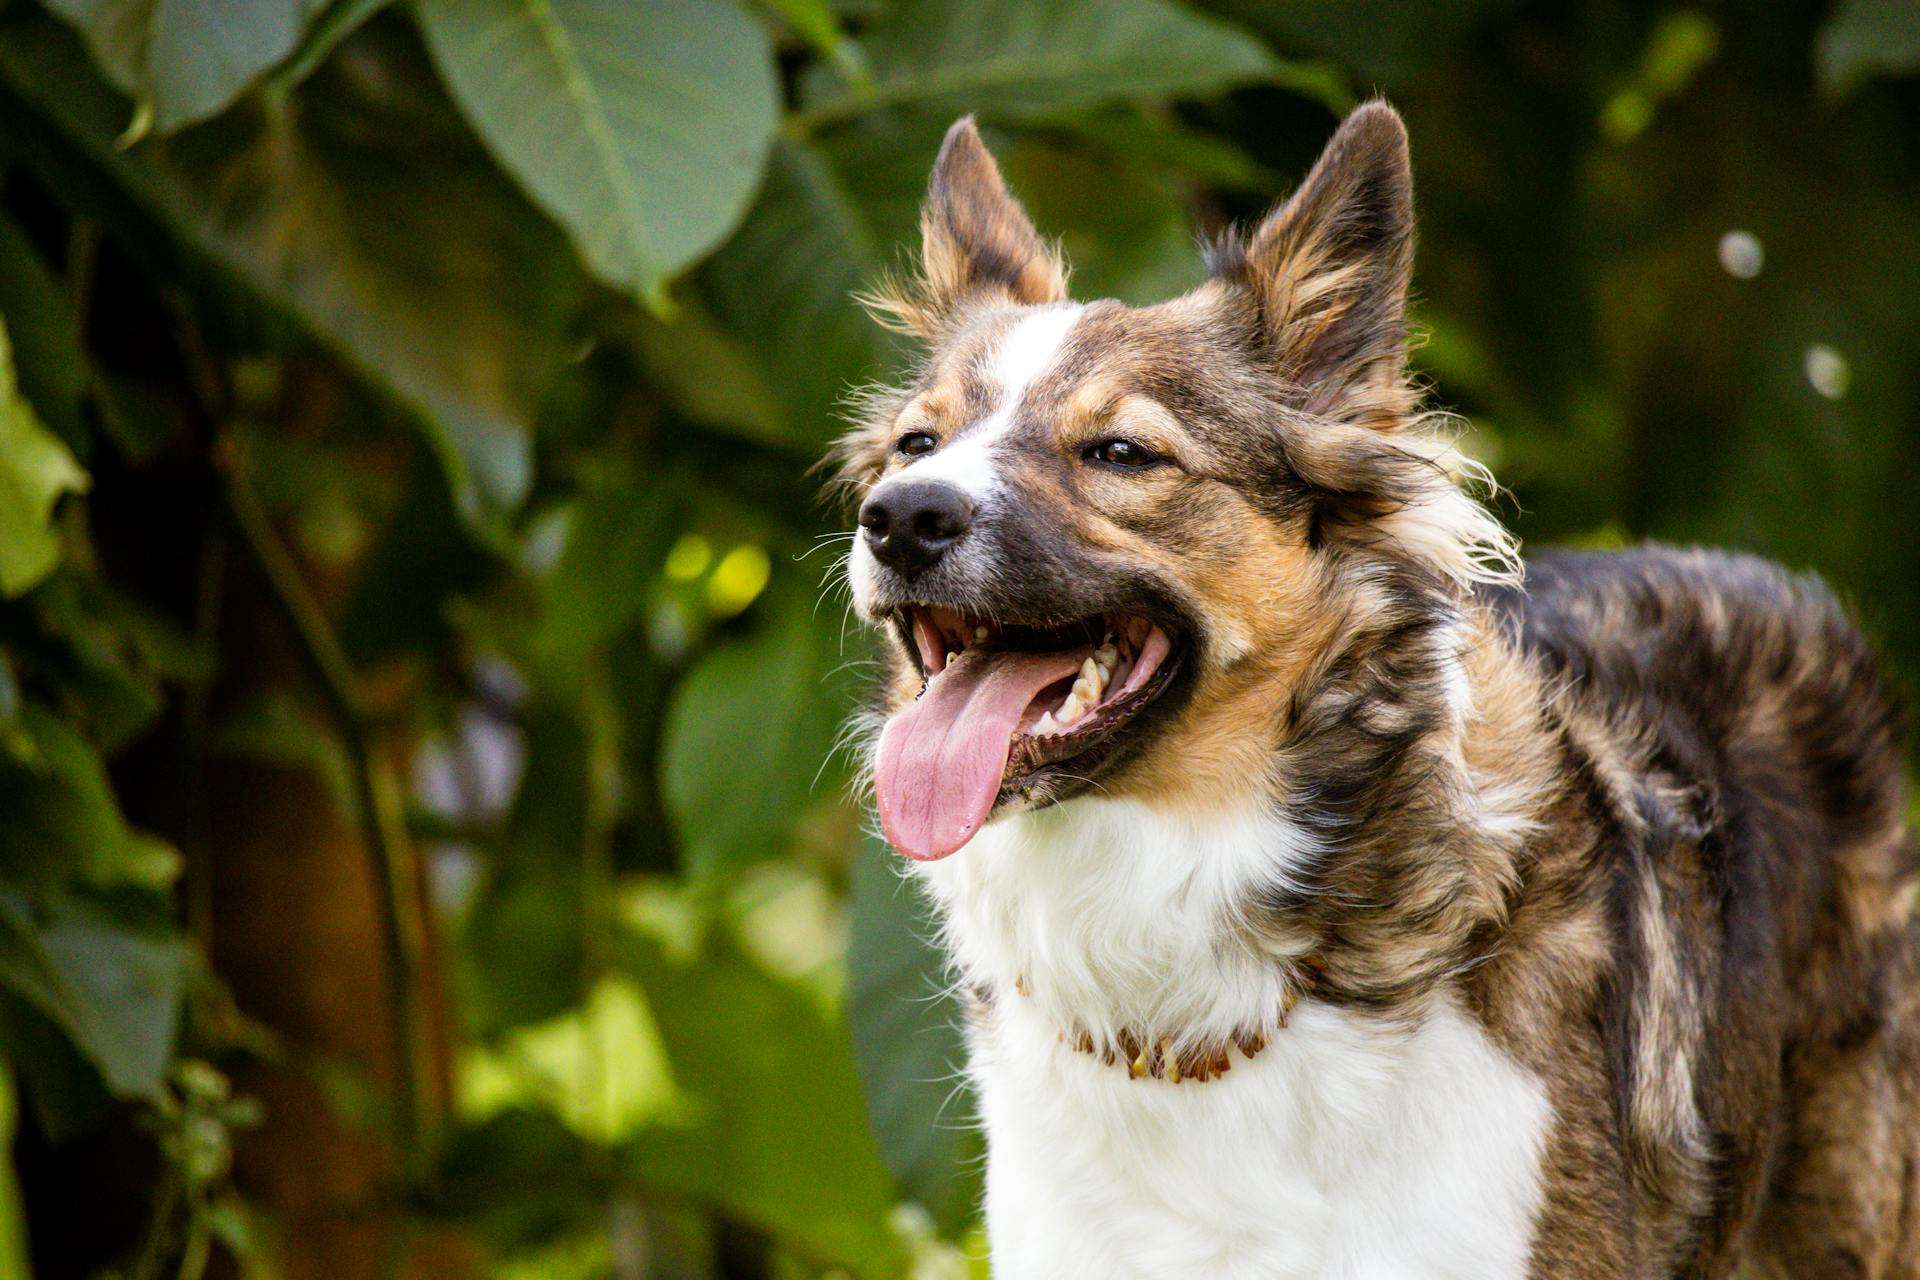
(1349, 1147)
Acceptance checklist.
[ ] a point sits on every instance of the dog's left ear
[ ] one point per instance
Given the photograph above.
(1329, 272)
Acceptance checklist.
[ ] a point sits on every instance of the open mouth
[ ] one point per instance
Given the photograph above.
(1005, 705)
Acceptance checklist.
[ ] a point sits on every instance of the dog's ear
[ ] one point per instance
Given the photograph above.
(1329, 272)
(977, 243)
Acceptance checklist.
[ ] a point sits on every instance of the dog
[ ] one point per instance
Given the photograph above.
(1332, 894)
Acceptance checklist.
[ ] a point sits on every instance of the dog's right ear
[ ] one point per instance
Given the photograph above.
(977, 243)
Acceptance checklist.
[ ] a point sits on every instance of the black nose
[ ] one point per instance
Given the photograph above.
(910, 524)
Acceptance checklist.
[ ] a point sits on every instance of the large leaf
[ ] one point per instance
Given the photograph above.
(786, 282)
(363, 211)
(749, 733)
(114, 991)
(641, 128)
(906, 1039)
(35, 470)
(777, 1137)
(1867, 38)
(1020, 58)
(186, 58)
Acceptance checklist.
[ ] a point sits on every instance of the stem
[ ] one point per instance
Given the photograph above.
(377, 795)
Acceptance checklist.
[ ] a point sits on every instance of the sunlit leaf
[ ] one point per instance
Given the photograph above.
(906, 1039)
(35, 470)
(187, 58)
(776, 1137)
(115, 992)
(641, 128)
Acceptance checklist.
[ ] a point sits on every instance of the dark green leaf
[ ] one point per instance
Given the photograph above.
(785, 283)
(906, 1039)
(608, 569)
(641, 128)
(46, 338)
(524, 929)
(777, 1136)
(747, 733)
(115, 992)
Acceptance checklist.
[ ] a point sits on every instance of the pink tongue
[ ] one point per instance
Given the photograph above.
(941, 759)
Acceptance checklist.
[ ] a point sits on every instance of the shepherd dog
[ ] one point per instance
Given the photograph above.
(1331, 892)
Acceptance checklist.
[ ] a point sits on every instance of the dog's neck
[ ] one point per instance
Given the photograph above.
(1128, 923)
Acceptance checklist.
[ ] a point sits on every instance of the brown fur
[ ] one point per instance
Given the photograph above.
(1642, 815)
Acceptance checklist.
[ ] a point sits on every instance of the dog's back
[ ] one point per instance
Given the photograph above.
(1745, 758)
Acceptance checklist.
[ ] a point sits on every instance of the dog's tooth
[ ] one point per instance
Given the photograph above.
(1090, 672)
(1069, 710)
(1045, 725)
(1106, 655)
(979, 635)
(1084, 691)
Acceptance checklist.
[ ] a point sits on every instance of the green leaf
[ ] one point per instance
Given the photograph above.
(524, 931)
(188, 59)
(114, 991)
(335, 213)
(906, 1040)
(785, 284)
(107, 657)
(778, 1138)
(747, 733)
(63, 824)
(607, 570)
(1867, 38)
(46, 337)
(1017, 58)
(35, 470)
(642, 128)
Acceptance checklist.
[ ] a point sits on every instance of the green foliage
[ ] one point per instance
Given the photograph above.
(522, 322)
(642, 130)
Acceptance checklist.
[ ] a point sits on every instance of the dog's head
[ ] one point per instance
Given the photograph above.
(1108, 543)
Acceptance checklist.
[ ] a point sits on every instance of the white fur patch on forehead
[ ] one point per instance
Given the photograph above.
(1022, 356)
(1029, 350)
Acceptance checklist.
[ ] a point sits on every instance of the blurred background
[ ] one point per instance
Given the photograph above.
(422, 849)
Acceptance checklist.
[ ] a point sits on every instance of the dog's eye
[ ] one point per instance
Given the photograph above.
(915, 443)
(1121, 453)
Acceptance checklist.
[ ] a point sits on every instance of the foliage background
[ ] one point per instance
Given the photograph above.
(417, 655)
